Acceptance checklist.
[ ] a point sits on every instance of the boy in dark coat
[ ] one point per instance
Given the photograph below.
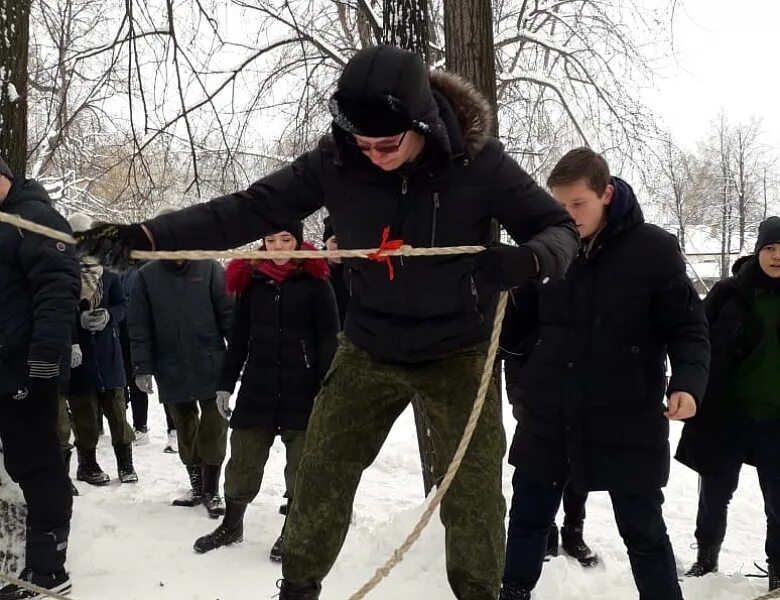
(410, 158)
(740, 417)
(39, 293)
(590, 397)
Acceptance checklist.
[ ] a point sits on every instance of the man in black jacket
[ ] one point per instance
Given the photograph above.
(409, 158)
(589, 399)
(39, 294)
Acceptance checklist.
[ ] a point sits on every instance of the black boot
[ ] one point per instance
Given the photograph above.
(573, 545)
(124, 463)
(276, 549)
(774, 576)
(44, 564)
(510, 592)
(66, 457)
(211, 500)
(289, 591)
(195, 495)
(230, 531)
(89, 470)
(552, 542)
(706, 560)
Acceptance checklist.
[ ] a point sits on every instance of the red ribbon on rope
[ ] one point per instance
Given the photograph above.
(386, 245)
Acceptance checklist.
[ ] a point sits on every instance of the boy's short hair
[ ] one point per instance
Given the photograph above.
(581, 163)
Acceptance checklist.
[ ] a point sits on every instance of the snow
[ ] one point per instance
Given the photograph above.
(129, 542)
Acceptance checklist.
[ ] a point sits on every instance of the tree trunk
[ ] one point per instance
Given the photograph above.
(15, 25)
(405, 24)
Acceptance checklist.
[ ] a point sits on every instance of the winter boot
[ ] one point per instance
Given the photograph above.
(89, 470)
(573, 545)
(706, 560)
(211, 500)
(230, 531)
(44, 565)
(124, 463)
(510, 592)
(552, 543)
(172, 445)
(289, 591)
(66, 457)
(774, 576)
(283, 509)
(195, 495)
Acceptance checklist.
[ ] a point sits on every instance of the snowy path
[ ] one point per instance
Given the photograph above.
(128, 543)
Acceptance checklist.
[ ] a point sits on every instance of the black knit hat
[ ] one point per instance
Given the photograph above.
(295, 229)
(5, 169)
(327, 229)
(768, 233)
(383, 91)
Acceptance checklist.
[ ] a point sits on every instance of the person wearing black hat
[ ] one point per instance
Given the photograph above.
(740, 417)
(409, 158)
(39, 295)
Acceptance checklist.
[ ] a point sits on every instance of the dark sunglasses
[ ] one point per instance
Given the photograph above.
(382, 148)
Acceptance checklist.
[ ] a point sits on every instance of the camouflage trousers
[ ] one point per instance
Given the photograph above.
(360, 400)
(86, 418)
(249, 449)
(201, 434)
(63, 426)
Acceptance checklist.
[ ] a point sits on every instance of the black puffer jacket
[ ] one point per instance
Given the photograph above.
(178, 320)
(708, 440)
(284, 338)
(435, 304)
(39, 289)
(590, 395)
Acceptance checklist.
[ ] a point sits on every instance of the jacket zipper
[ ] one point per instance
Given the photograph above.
(436, 204)
(305, 355)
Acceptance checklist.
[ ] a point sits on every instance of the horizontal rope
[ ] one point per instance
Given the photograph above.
(54, 234)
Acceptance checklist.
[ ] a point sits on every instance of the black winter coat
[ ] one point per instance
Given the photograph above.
(102, 364)
(435, 305)
(284, 338)
(590, 396)
(39, 289)
(179, 318)
(708, 440)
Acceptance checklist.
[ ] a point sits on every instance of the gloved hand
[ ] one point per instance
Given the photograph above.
(111, 243)
(223, 404)
(144, 383)
(95, 320)
(507, 266)
(76, 357)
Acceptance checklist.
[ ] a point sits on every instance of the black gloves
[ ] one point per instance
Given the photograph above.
(507, 266)
(111, 243)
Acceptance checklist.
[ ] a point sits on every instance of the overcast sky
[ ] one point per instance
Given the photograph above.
(726, 57)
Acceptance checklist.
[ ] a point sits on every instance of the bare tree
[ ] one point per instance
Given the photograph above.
(14, 42)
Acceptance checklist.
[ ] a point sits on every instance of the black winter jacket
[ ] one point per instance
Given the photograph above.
(39, 289)
(708, 440)
(590, 395)
(284, 338)
(435, 305)
(179, 318)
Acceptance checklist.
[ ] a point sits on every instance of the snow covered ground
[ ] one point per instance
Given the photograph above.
(128, 542)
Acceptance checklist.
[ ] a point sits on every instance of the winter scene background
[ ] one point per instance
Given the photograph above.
(128, 107)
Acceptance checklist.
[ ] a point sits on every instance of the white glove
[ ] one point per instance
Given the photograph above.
(95, 320)
(223, 404)
(75, 356)
(144, 383)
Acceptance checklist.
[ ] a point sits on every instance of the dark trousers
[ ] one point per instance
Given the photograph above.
(169, 419)
(138, 400)
(573, 507)
(761, 442)
(200, 431)
(639, 519)
(33, 459)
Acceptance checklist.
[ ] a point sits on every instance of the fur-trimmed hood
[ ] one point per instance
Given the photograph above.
(240, 271)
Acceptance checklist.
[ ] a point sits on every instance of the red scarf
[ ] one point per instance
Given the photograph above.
(279, 273)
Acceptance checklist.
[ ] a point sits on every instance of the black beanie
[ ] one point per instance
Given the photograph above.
(327, 229)
(5, 169)
(768, 233)
(295, 229)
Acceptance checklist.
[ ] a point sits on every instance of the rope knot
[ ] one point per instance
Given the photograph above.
(386, 245)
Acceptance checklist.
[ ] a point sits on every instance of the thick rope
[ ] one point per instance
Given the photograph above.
(457, 459)
(33, 588)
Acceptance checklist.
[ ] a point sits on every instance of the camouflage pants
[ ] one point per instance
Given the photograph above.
(249, 449)
(63, 426)
(202, 435)
(360, 400)
(84, 410)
